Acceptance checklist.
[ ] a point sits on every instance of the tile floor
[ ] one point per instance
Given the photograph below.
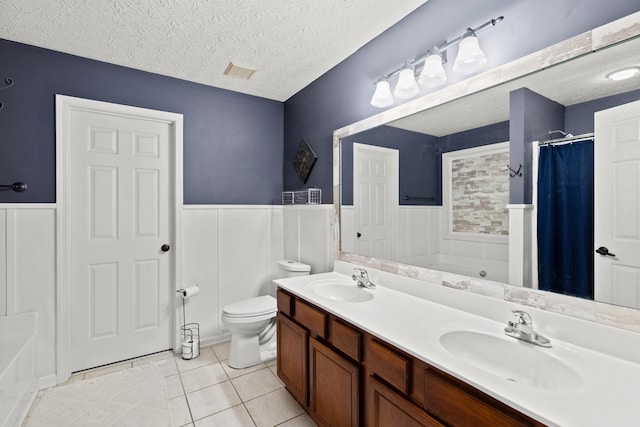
(205, 391)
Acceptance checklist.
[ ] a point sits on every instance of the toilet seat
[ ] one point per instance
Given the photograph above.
(251, 307)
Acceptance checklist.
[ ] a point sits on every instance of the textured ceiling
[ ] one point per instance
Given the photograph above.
(289, 42)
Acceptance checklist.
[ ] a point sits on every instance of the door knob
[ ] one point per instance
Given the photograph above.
(358, 235)
(604, 251)
(165, 248)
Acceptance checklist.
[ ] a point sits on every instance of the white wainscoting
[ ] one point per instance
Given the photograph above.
(418, 236)
(436, 249)
(231, 252)
(28, 274)
(308, 235)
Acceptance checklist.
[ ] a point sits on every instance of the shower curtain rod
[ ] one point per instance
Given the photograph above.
(576, 138)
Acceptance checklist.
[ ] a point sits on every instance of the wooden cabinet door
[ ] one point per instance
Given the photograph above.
(292, 357)
(334, 387)
(385, 408)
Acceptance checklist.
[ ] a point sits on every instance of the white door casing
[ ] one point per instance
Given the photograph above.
(375, 199)
(119, 194)
(617, 205)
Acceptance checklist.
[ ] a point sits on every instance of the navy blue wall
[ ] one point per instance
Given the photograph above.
(419, 159)
(233, 143)
(342, 95)
(491, 134)
(531, 116)
(579, 118)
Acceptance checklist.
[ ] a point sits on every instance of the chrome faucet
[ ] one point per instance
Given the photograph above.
(362, 279)
(522, 329)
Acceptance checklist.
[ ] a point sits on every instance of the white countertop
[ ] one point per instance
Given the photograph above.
(610, 393)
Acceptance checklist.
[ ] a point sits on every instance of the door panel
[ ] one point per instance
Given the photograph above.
(375, 199)
(103, 300)
(121, 289)
(617, 205)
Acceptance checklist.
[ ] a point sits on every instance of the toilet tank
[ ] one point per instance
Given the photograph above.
(289, 268)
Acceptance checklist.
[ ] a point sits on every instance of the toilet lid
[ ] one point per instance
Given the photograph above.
(252, 306)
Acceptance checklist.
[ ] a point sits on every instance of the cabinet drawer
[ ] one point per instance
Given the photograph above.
(459, 404)
(346, 339)
(388, 365)
(285, 302)
(310, 317)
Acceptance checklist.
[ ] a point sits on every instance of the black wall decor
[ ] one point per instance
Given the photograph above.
(304, 161)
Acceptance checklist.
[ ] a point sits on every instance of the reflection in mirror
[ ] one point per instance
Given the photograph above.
(421, 225)
(447, 183)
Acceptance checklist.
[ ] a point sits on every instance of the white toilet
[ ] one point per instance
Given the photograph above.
(252, 322)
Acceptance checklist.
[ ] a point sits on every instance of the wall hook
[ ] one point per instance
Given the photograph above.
(513, 173)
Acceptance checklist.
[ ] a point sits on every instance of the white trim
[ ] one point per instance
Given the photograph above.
(64, 106)
(520, 245)
(10, 236)
(17, 206)
(535, 165)
(212, 207)
(47, 381)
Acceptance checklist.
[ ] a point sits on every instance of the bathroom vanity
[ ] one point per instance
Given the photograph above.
(396, 355)
(341, 375)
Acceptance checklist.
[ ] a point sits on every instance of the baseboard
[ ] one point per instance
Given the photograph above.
(215, 339)
(47, 381)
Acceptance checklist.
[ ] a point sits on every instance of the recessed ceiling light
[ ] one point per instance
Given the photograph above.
(234, 70)
(623, 74)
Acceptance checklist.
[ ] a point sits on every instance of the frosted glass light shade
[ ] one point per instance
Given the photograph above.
(470, 57)
(407, 86)
(432, 74)
(382, 96)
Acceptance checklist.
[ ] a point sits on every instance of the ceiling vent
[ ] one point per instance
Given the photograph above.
(239, 72)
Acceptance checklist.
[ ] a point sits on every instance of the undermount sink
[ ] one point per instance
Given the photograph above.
(340, 290)
(511, 359)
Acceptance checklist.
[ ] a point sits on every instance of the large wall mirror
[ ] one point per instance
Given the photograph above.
(431, 188)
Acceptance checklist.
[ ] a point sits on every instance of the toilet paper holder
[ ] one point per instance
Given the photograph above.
(190, 331)
(190, 341)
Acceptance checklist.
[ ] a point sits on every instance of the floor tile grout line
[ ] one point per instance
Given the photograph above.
(255, 424)
(186, 398)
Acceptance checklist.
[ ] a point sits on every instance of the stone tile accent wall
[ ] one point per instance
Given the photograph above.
(480, 193)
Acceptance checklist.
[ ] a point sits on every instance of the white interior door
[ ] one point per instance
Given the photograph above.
(617, 205)
(120, 211)
(375, 199)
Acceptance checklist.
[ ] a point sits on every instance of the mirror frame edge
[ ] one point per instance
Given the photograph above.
(614, 32)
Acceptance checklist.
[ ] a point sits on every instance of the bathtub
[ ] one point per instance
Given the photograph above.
(18, 385)
(487, 273)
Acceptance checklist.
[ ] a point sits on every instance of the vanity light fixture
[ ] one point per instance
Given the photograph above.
(470, 59)
(382, 97)
(623, 74)
(433, 74)
(407, 87)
